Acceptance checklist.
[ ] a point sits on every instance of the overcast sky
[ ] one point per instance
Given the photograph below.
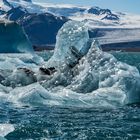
(131, 6)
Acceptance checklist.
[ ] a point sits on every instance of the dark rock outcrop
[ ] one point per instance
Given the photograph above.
(16, 13)
(5, 2)
(98, 11)
(42, 28)
(108, 14)
(111, 17)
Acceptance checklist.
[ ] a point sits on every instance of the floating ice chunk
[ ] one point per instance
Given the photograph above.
(98, 80)
(5, 129)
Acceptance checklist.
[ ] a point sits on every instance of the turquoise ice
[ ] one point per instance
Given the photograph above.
(13, 38)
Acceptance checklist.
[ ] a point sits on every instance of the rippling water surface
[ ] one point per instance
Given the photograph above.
(74, 123)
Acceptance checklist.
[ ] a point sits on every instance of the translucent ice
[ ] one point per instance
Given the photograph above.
(13, 38)
(98, 73)
(72, 38)
(97, 78)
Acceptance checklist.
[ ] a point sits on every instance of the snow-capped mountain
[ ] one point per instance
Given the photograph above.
(93, 16)
(6, 5)
(41, 27)
(41, 21)
(103, 14)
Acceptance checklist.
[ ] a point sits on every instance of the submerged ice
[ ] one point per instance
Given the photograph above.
(84, 75)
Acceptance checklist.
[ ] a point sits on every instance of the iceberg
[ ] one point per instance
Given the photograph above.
(97, 74)
(84, 75)
(13, 38)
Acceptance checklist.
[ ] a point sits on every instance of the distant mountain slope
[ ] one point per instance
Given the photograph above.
(41, 28)
(95, 16)
(69, 12)
(103, 14)
(41, 21)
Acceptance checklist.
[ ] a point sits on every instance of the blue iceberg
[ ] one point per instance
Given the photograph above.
(13, 38)
(85, 76)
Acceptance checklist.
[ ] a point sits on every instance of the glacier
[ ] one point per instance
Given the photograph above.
(13, 38)
(85, 76)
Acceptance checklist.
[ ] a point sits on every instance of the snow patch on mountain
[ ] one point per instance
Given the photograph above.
(92, 16)
(6, 5)
(41, 21)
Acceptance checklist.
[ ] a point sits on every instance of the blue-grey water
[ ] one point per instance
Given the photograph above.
(74, 123)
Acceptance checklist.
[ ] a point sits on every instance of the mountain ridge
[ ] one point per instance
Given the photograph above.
(93, 15)
(41, 22)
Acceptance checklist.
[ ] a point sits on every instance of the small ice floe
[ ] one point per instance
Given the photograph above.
(5, 129)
